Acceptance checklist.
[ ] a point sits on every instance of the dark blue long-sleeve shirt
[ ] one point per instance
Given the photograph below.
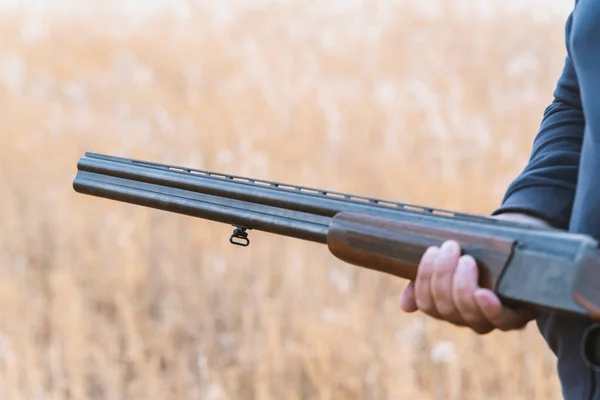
(561, 181)
(546, 187)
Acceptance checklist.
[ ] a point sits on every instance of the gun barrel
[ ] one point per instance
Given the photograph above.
(231, 211)
(292, 197)
(278, 195)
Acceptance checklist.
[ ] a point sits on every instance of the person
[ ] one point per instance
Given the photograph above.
(556, 188)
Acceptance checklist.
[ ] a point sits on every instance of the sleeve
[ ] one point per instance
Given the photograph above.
(546, 187)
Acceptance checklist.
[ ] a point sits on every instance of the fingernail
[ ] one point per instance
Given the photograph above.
(466, 262)
(449, 247)
(430, 253)
(462, 267)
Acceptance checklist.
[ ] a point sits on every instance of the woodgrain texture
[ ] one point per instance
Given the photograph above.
(396, 247)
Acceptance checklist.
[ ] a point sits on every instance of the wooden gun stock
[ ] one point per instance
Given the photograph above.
(396, 247)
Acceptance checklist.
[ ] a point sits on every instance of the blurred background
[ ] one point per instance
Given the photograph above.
(427, 102)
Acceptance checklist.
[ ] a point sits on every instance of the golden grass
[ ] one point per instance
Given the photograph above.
(102, 300)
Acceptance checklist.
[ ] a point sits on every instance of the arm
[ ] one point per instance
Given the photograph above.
(546, 187)
(446, 284)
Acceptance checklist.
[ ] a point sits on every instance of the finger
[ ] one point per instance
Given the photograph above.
(501, 317)
(423, 296)
(407, 299)
(442, 281)
(465, 286)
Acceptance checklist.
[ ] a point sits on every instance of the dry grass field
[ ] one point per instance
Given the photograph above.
(434, 103)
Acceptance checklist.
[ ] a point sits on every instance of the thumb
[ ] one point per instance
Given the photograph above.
(408, 303)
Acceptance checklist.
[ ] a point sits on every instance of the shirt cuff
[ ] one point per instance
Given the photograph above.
(549, 203)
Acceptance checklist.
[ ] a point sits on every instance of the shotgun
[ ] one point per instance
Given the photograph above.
(540, 268)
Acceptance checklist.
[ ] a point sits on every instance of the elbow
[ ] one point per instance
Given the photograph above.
(566, 103)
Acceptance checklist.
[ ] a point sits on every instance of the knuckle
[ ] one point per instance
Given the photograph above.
(445, 305)
(424, 304)
(423, 276)
(464, 298)
(442, 275)
(441, 286)
(471, 313)
(442, 296)
(445, 265)
(475, 319)
(462, 294)
(443, 270)
(449, 312)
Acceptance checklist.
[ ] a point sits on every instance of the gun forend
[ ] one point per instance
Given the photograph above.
(539, 268)
(396, 247)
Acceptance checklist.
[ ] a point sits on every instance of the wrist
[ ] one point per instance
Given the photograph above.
(523, 218)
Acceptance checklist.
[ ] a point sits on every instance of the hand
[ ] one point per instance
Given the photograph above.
(446, 289)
